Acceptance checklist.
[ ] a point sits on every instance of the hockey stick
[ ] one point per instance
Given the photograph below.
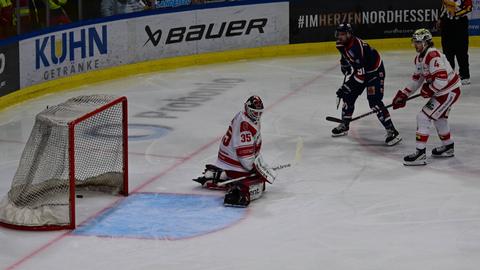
(338, 98)
(338, 120)
(278, 167)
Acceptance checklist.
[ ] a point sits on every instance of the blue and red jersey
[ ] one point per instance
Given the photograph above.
(363, 58)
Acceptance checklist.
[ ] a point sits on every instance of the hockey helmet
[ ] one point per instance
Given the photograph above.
(344, 27)
(254, 108)
(422, 35)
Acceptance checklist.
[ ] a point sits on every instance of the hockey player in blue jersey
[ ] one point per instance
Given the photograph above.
(364, 67)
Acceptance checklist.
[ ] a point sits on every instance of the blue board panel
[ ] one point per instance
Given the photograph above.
(474, 27)
(163, 216)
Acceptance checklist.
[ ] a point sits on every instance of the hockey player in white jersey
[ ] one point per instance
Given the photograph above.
(441, 85)
(239, 148)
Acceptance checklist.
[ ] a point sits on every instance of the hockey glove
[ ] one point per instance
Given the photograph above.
(426, 92)
(400, 100)
(343, 92)
(346, 69)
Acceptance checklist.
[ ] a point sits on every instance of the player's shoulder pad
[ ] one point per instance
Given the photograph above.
(356, 46)
(360, 41)
(431, 55)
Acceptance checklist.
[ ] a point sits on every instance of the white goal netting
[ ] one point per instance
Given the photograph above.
(78, 144)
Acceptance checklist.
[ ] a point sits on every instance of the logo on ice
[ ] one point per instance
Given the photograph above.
(70, 46)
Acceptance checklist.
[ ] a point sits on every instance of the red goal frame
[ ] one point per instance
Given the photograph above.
(71, 153)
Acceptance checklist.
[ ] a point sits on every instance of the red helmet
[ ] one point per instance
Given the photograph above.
(254, 108)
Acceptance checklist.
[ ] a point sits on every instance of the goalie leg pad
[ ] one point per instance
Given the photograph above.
(236, 197)
(241, 194)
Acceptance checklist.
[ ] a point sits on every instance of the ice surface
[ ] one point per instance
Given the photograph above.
(347, 203)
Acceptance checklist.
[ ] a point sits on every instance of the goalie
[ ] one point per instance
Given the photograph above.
(239, 157)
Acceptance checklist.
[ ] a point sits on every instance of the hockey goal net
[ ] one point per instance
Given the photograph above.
(78, 144)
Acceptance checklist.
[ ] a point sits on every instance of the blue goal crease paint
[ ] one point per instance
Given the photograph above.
(163, 216)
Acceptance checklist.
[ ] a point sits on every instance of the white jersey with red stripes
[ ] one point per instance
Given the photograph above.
(240, 145)
(432, 67)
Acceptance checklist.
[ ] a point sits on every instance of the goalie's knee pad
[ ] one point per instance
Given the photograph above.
(255, 186)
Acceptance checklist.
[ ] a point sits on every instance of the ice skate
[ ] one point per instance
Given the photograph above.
(392, 137)
(443, 151)
(416, 159)
(341, 130)
(211, 177)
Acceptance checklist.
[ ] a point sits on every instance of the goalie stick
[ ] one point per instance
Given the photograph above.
(283, 166)
(338, 120)
(278, 167)
(221, 184)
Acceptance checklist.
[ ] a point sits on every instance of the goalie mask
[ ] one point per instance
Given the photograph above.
(422, 37)
(254, 108)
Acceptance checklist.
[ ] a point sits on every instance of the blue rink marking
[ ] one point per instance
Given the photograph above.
(163, 216)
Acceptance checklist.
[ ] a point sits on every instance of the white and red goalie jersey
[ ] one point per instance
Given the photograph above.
(240, 145)
(433, 69)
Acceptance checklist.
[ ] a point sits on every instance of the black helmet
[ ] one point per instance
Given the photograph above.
(345, 27)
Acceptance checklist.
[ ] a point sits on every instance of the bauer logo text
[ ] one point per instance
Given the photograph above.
(206, 31)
